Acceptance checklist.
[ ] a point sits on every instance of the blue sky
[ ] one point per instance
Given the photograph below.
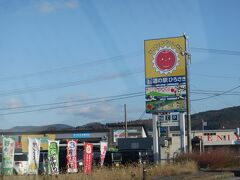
(56, 51)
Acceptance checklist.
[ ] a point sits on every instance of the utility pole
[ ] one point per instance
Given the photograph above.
(125, 117)
(189, 132)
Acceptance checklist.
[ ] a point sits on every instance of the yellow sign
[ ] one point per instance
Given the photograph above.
(43, 137)
(165, 57)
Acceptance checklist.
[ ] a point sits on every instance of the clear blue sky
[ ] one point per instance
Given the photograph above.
(55, 51)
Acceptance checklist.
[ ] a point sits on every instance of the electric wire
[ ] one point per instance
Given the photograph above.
(71, 101)
(67, 106)
(98, 100)
(67, 84)
(67, 68)
(109, 59)
(209, 97)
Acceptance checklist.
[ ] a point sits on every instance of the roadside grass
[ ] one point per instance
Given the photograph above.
(172, 169)
(122, 173)
(214, 159)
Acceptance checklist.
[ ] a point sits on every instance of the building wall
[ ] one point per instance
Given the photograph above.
(211, 138)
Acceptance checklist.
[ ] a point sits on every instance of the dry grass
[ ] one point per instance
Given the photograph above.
(122, 173)
(214, 159)
(187, 167)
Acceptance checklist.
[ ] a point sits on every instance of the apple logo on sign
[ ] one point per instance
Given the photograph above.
(165, 60)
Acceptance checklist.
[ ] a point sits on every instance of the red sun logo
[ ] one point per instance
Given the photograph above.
(165, 60)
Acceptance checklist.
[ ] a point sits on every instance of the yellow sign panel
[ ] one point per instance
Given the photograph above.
(165, 57)
(43, 138)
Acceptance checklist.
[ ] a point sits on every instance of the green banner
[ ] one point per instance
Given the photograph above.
(53, 157)
(8, 156)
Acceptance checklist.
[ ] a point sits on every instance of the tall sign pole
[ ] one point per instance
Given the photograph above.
(165, 79)
(155, 138)
(189, 132)
(182, 132)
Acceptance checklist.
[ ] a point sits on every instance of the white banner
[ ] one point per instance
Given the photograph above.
(103, 149)
(33, 155)
(8, 150)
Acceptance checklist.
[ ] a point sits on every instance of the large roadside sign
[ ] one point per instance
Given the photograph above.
(165, 73)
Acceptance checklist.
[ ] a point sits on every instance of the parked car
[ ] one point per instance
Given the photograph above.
(20, 164)
(113, 158)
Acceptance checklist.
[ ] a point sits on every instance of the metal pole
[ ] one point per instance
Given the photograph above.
(189, 133)
(202, 135)
(144, 172)
(155, 138)
(182, 132)
(125, 117)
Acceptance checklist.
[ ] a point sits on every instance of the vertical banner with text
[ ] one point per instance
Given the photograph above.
(103, 150)
(72, 156)
(8, 156)
(33, 155)
(53, 157)
(165, 73)
(88, 156)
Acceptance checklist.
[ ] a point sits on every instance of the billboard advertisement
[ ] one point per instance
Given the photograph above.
(8, 156)
(165, 74)
(166, 106)
(88, 157)
(33, 155)
(165, 92)
(72, 156)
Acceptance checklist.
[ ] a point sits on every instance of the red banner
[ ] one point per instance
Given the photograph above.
(72, 156)
(88, 156)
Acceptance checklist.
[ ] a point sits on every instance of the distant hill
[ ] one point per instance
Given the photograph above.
(227, 118)
(53, 127)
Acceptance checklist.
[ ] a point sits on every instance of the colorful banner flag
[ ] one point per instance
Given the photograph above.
(33, 155)
(53, 157)
(72, 156)
(8, 156)
(103, 150)
(88, 156)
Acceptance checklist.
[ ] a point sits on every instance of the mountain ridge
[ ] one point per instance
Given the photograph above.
(226, 118)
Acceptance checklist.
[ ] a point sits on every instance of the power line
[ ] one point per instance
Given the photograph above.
(72, 101)
(209, 97)
(74, 83)
(215, 76)
(215, 51)
(99, 100)
(109, 59)
(67, 84)
(142, 115)
(67, 68)
(67, 106)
